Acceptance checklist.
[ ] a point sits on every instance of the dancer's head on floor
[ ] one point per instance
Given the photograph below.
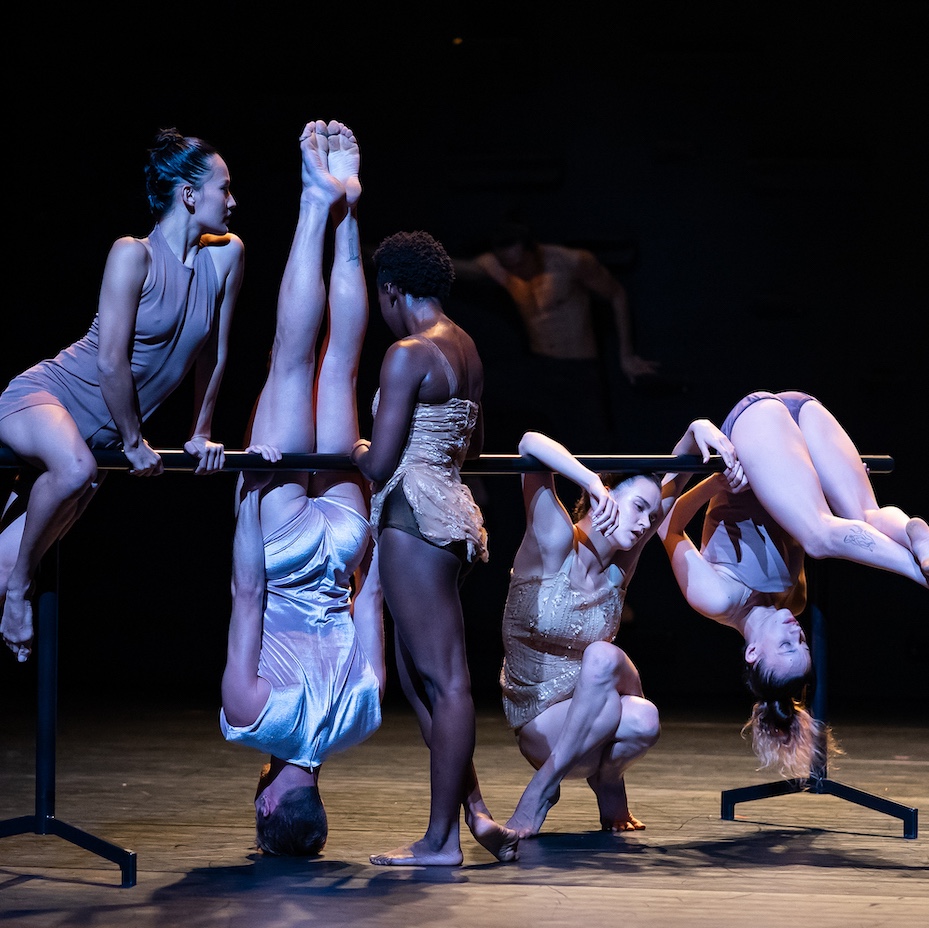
(295, 825)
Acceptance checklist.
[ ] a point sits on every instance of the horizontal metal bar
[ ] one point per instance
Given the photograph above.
(486, 464)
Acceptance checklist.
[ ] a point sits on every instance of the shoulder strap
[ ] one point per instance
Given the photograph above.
(446, 366)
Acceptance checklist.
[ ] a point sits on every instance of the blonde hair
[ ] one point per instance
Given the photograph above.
(796, 746)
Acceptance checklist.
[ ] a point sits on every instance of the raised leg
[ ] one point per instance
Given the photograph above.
(792, 472)
(336, 399)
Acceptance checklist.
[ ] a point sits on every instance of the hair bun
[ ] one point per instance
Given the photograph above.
(167, 138)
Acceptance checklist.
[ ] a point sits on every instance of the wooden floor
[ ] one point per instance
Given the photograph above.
(164, 785)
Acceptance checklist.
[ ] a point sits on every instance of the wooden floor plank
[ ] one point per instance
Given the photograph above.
(165, 785)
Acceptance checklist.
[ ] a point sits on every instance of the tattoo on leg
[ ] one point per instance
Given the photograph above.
(860, 538)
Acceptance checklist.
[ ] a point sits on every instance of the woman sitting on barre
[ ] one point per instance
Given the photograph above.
(305, 662)
(165, 305)
(573, 698)
(808, 493)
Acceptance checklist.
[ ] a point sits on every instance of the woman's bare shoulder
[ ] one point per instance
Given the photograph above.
(227, 251)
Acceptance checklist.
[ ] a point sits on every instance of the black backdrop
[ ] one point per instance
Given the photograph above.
(755, 173)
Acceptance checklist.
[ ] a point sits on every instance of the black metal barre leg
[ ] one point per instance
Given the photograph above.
(729, 797)
(818, 781)
(44, 821)
(820, 786)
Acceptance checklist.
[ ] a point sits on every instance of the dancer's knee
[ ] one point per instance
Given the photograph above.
(640, 720)
(825, 539)
(75, 477)
(603, 663)
(450, 692)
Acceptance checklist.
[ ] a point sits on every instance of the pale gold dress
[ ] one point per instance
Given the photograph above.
(547, 626)
(430, 472)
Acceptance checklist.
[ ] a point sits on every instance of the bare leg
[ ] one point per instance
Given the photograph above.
(336, 385)
(917, 531)
(610, 790)
(615, 816)
(481, 823)
(791, 472)
(415, 573)
(844, 478)
(570, 737)
(336, 405)
(284, 416)
(284, 413)
(47, 436)
(640, 717)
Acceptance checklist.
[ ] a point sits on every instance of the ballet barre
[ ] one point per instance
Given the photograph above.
(44, 820)
(486, 464)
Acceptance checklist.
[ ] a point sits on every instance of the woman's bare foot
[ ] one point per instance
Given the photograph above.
(16, 626)
(613, 804)
(531, 810)
(629, 823)
(419, 854)
(344, 160)
(492, 836)
(917, 530)
(318, 183)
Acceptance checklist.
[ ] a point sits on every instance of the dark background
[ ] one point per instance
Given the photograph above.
(754, 173)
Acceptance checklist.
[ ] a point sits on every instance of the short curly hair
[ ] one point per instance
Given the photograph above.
(416, 264)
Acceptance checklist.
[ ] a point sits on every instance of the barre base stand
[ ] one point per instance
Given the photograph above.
(44, 821)
(819, 782)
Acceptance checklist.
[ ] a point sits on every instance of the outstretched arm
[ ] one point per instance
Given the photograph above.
(244, 693)
(598, 279)
(703, 588)
(483, 267)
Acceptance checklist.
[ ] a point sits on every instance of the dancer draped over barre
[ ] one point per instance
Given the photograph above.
(808, 494)
(427, 418)
(166, 304)
(573, 698)
(304, 671)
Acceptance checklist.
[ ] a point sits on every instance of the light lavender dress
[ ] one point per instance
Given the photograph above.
(174, 321)
(324, 693)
